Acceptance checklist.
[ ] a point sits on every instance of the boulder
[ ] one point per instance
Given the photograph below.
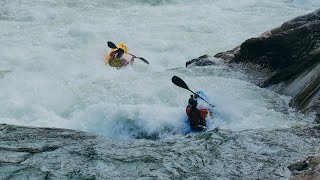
(291, 53)
(200, 61)
(307, 169)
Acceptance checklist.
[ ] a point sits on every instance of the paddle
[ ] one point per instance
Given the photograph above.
(113, 46)
(179, 82)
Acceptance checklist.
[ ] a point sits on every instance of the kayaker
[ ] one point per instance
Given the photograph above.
(117, 60)
(196, 117)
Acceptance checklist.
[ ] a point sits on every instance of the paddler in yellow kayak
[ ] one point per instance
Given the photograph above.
(115, 57)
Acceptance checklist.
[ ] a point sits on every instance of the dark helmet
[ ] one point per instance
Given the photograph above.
(119, 53)
(192, 102)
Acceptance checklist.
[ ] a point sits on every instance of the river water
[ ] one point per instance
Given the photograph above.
(53, 73)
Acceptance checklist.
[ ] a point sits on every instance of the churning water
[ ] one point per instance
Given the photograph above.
(52, 74)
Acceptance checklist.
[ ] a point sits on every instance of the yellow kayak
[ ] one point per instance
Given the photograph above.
(120, 45)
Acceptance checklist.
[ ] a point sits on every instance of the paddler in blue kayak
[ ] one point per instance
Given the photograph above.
(196, 117)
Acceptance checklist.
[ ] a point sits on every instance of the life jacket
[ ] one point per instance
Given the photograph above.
(114, 61)
(196, 117)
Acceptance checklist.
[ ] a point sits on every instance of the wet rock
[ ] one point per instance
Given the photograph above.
(31, 152)
(50, 153)
(316, 127)
(291, 53)
(228, 55)
(200, 61)
(308, 164)
(307, 169)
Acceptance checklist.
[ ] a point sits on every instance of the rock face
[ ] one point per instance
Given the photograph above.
(26, 151)
(200, 61)
(49, 153)
(306, 169)
(291, 53)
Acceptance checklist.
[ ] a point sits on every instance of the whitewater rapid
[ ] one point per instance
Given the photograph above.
(52, 53)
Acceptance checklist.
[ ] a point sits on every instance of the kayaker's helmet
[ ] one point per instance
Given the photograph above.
(123, 46)
(120, 53)
(192, 102)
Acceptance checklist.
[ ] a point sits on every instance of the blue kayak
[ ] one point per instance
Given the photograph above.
(187, 128)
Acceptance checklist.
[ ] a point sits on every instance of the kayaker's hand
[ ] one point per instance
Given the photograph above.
(196, 95)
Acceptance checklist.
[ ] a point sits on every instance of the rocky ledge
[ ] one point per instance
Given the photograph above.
(291, 55)
(306, 169)
(26, 151)
(49, 153)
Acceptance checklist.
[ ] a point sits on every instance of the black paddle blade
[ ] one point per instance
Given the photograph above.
(143, 59)
(112, 45)
(179, 82)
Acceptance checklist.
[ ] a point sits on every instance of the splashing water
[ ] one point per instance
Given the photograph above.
(55, 52)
